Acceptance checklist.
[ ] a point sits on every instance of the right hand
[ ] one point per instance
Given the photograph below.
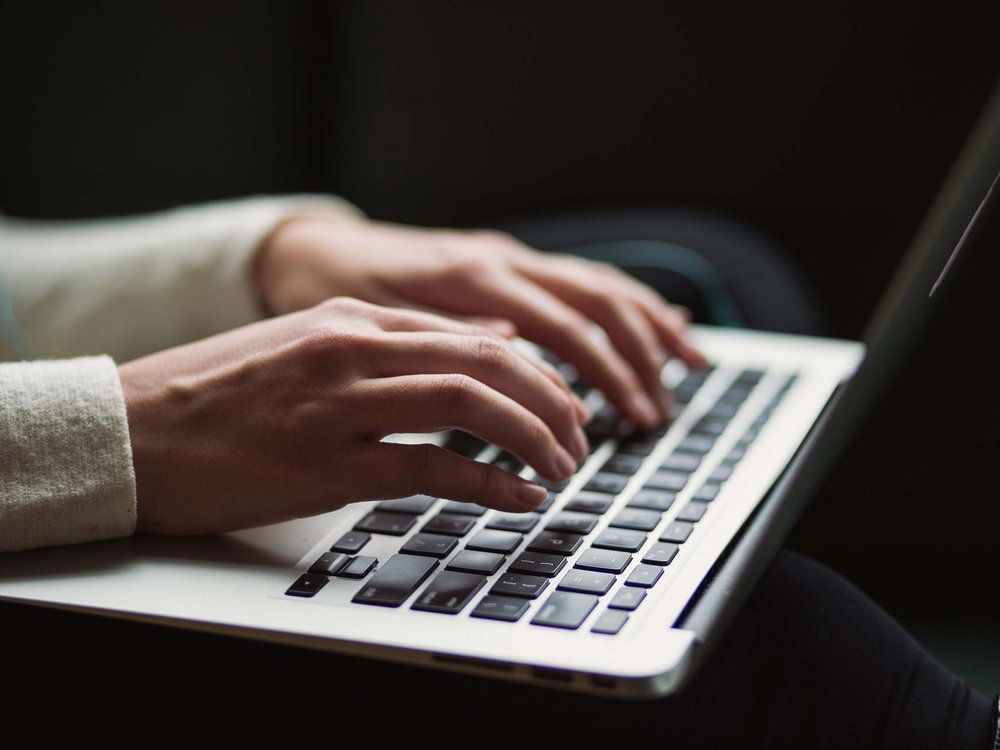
(283, 419)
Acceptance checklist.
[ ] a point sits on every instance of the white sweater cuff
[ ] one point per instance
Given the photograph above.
(65, 459)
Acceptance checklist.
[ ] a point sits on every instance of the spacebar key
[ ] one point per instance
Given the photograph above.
(396, 580)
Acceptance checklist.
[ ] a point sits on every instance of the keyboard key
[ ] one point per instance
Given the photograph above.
(682, 462)
(555, 542)
(396, 580)
(393, 524)
(307, 585)
(735, 455)
(610, 622)
(358, 567)
(692, 512)
(565, 609)
(587, 582)
(492, 540)
(554, 486)
(471, 561)
(636, 518)
(639, 446)
(351, 542)
(724, 409)
(623, 463)
(537, 563)
(329, 563)
(609, 484)
(463, 509)
(519, 584)
(749, 377)
(522, 522)
(620, 539)
(661, 553)
(432, 545)
(627, 598)
(700, 444)
(683, 396)
(574, 523)
(547, 502)
(450, 524)
(667, 480)
(590, 502)
(604, 424)
(505, 608)
(707, 493)
(677, 532)
(644, 576)
(508, 462)
(605, 560)
(449, 592)
(659, 500)
(710, 426)
(414, 505)
(464, 444)
(721, 473)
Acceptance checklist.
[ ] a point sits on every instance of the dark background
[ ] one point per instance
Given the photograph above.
(828, 126)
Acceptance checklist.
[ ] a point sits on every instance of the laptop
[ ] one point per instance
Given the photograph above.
(620, 584)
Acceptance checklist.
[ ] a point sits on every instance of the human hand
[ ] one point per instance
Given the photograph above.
(282, 419)
(548, 298)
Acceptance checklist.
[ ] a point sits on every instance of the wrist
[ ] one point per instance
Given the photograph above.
(291, 268)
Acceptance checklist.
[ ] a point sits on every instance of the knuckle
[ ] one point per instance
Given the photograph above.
(424, 459)
(491, 352)
(471, 267)
(539, 434)
(335, 344)
(342, 305)
(491, 481)
(457, 391)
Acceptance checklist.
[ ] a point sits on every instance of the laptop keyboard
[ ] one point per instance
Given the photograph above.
(615, 524)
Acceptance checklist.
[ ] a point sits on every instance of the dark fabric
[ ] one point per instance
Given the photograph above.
(810, 663)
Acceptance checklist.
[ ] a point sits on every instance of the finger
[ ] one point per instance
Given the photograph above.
(669, 321)
(498, 325)
(495, 363)
(629, 330)
(543, 317)
(387, 470)
(431, 403)
(393, 319)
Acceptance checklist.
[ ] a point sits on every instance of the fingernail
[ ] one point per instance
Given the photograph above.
(642, 404)
(531, 494)
(580, 446)
(565, 465)
(582, 415)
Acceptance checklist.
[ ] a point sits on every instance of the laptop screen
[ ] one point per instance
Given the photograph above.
(961, 202)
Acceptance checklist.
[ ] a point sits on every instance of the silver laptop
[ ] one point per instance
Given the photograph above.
(626, 576)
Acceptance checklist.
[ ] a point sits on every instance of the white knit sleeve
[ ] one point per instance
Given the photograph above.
(65, 458)
(127, 287)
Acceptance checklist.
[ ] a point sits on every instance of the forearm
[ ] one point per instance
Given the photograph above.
(126, 287)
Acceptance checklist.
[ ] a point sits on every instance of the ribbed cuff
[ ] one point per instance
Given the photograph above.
(65, 458)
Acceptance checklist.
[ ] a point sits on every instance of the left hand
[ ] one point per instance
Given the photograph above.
(491, 279)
